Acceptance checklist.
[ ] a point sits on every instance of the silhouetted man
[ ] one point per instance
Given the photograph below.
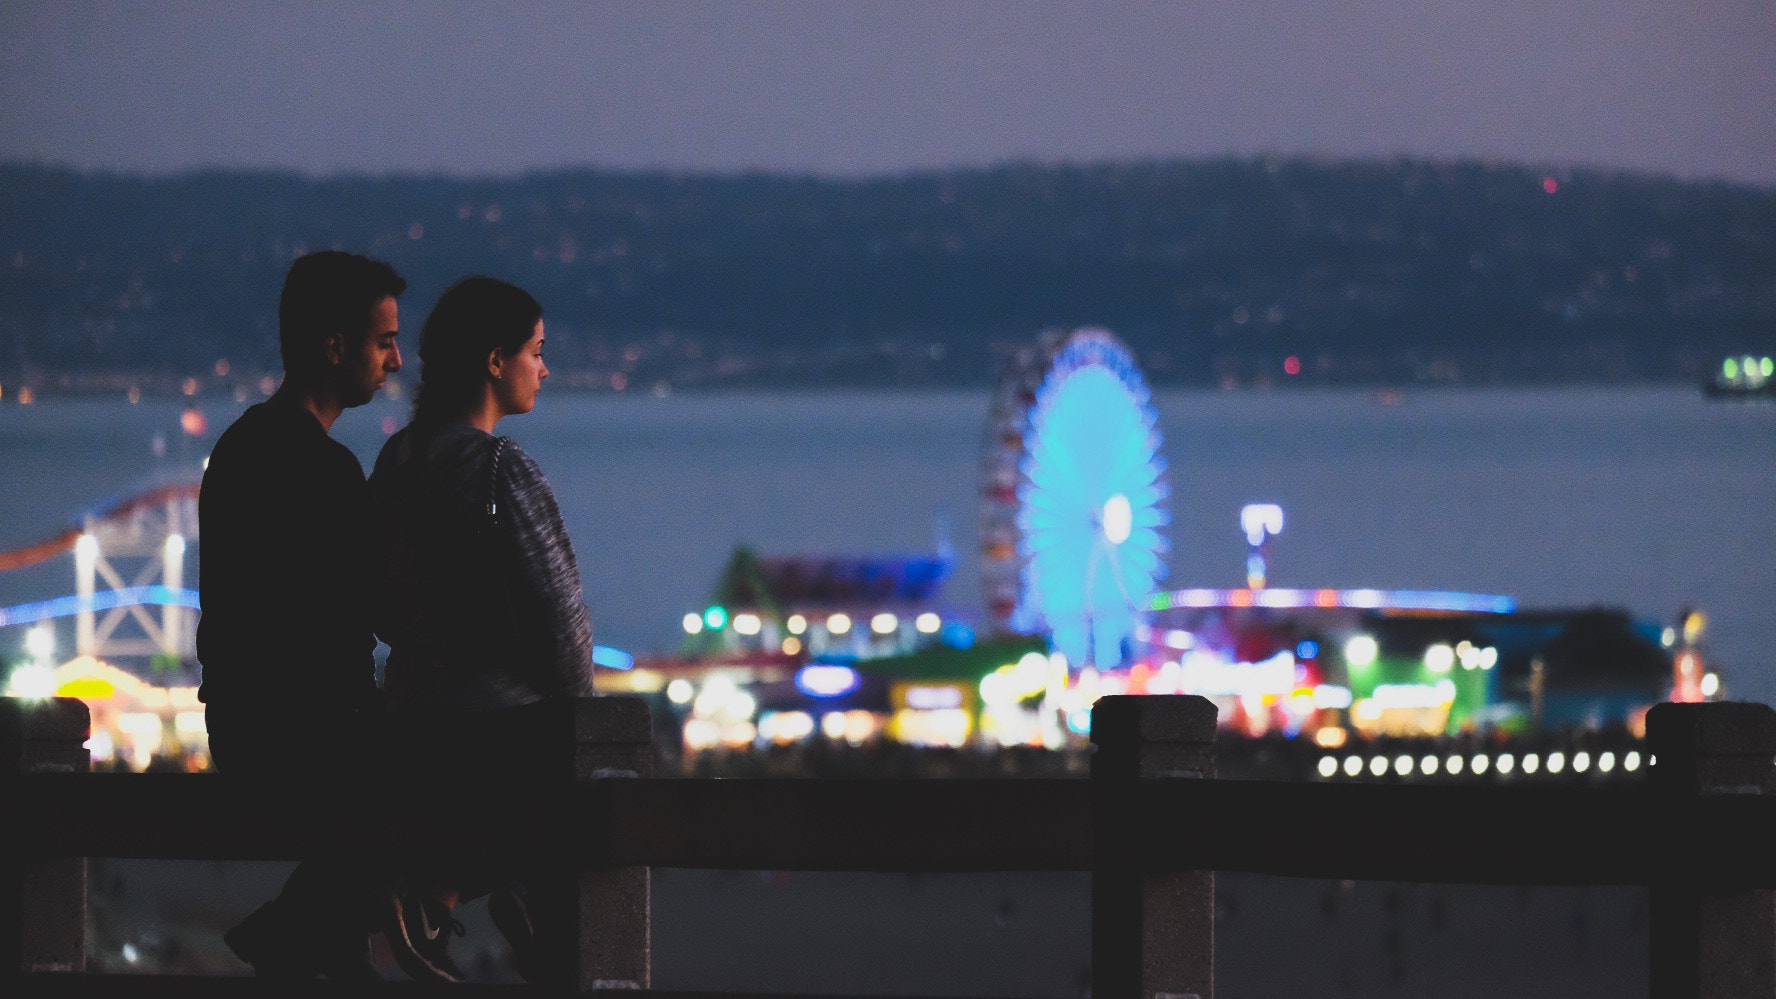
(285, 639)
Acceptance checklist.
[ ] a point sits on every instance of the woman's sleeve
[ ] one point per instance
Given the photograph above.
(549, 596)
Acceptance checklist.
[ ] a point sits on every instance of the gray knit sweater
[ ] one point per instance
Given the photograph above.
(479, 611)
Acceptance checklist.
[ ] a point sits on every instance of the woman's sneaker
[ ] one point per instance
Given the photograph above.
(419, 932)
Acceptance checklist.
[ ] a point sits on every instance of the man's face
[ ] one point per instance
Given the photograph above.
(372, 357)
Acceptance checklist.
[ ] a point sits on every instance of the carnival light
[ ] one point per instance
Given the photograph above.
(1328, 766)
(838, 624)
(747, 623)
(832, 724)
(610, 658)
(783, 727)
(928, 623)
(884, 623)
(933, 698)
(1361, 650)
(40, 642)
(827, 680)
(693, 623)
(1361, 599)
(35, 680)
(796, 624)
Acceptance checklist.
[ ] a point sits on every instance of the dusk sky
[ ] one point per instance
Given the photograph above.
(476, 88)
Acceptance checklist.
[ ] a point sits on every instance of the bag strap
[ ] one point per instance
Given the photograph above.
(499, 448)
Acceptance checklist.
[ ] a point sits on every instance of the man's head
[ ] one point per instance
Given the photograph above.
(337, 322)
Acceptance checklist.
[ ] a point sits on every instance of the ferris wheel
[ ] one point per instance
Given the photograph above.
(1075, 497)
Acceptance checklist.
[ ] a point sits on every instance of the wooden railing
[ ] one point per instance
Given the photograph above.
(1151, 825)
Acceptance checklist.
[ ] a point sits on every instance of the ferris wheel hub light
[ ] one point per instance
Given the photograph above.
(1119, 519)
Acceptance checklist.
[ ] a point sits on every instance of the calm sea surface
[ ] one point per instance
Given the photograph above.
(1647, 499)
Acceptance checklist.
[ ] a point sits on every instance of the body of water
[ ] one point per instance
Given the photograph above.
(1648, 499)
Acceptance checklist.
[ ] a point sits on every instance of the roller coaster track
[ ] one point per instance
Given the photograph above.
(121, 510)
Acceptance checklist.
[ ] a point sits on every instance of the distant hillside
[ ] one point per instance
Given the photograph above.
(1214, 272)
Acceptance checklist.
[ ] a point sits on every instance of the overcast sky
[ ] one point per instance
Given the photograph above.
(1685, 87)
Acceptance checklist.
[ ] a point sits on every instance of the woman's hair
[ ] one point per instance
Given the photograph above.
(472, 318)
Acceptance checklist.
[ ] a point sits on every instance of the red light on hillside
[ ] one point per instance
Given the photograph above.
(1550, 185)
(1292, 365)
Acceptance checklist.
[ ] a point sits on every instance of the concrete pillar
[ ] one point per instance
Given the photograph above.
(44, 896)
(1711, 942)
(1153, 933)
(613, 740)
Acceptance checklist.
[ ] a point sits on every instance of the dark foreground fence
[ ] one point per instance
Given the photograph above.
(1151, 825)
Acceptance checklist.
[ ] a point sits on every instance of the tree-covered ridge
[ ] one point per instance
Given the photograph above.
(1213, 272)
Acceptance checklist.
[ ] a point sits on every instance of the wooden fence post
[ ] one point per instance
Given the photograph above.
(1153, 933)
(44, 928)
(613, 740)
(1711, 942)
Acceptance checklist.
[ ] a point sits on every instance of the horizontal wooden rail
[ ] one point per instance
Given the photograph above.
(1151, 825)
(1377, 832)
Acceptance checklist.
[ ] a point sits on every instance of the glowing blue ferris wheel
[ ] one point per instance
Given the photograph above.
(1091, 499)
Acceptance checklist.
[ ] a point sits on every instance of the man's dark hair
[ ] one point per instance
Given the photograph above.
(476, 315)
(326, 292)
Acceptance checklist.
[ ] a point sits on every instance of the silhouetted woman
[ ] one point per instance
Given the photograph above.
(479, 601)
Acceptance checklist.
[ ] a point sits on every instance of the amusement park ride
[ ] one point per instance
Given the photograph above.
(130, 604)
(145, 536)
(1075, 497)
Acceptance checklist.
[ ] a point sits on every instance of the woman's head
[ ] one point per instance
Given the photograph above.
(476, 317)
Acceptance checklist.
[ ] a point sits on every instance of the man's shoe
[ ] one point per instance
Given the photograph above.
(264, 940)
(350, 961)
(512, 918)
(419, 933)
(270, 942)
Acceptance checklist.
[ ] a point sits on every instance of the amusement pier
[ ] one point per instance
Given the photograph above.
(811, 665)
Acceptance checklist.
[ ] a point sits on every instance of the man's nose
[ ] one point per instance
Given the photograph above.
(394, 359)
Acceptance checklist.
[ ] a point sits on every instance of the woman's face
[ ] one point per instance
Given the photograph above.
(521, 375)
